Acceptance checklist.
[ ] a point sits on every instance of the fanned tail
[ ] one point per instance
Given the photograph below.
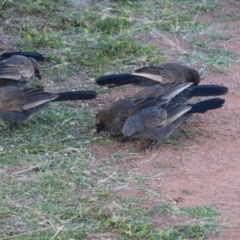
(206, 105)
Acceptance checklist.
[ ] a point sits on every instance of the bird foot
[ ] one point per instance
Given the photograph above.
(125, 139)
(116, 135)
(152, 144)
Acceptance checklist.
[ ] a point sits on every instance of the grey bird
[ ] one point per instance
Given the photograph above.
(18, 71)
(17, 105)
(148, 76)
(159, 122)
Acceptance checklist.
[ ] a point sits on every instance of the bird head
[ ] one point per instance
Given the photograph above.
(99, 123)
(195, 76)
(36, 67)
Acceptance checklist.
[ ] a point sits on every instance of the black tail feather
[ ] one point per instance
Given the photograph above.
(37, 56)
(75, 95)
(207, 90)
(118, 79)
(206, 105)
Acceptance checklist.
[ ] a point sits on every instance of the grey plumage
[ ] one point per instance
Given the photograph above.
(18, 71)
(143, 125)
(159, 122)
(146, 123)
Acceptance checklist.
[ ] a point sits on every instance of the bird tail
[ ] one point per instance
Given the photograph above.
(208, 90)
(37, 56)
(75, 95)
(118, 79)
(206, 105)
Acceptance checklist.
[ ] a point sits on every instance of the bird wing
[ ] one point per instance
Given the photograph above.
(151, 91)
(165, 91)
(155, 70)
(12, 99)
(26, 71)
(156, 117)
(154, 73)
(165, 73)
(175, 110)
(171, 74)
(9, 70)
(35, 97)
(174, 72)
(174, 88)
(161, 116)
(141, 103)
(17, 68)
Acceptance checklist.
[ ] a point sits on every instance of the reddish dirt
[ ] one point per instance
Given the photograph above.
(208, 166)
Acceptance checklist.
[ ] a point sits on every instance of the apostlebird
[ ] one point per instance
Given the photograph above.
(148, 76)
(18, 71)
(17, 105)
(159, 122)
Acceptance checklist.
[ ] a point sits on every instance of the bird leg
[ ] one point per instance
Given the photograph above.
(152, 144)
(116, 135)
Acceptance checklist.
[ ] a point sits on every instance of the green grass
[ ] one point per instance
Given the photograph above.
(221, 36)
(213, 58)
(200, 212)
(228, 17)
(53, 184)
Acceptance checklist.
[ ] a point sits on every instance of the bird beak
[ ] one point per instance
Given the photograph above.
(99, 129)
(125, 139)
(38, 76)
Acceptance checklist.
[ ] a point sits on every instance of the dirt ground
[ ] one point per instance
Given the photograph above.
(207, 168)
